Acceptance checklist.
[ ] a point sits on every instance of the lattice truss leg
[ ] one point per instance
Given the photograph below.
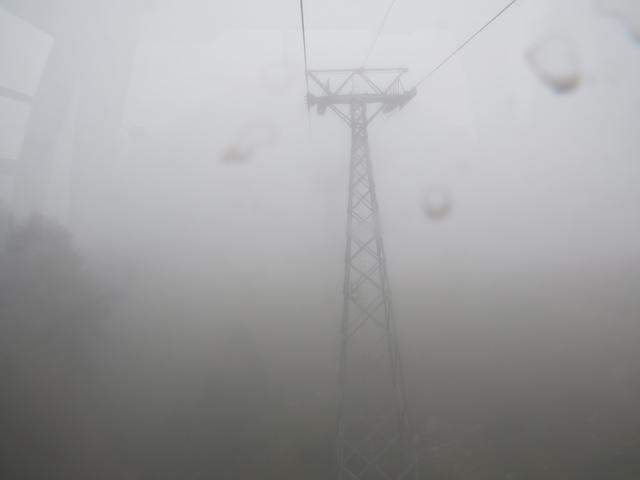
(373, 437)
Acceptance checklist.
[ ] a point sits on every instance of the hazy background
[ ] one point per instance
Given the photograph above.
(174, 310)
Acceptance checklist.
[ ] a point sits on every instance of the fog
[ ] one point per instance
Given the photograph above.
(173, 221)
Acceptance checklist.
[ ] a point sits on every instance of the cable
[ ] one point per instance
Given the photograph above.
(306, 63)
(465, 43)
(304, 42)
(375, 40)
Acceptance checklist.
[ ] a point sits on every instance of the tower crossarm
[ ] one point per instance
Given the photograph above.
(382, 87)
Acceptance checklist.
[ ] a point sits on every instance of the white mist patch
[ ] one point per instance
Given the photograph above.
(279, 78)
(555, 63)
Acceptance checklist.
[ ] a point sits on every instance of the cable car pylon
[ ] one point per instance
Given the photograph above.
(374, 441)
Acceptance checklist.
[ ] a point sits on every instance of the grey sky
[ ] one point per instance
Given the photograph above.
(524, 165)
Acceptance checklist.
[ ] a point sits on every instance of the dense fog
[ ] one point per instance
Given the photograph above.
(172, 236)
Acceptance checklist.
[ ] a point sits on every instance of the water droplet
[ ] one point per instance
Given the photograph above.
(437, 203)
(236, 154)
(249, 138)
(627, 12)
(555, 63)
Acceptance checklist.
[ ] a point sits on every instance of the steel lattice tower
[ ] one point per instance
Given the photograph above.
(373, 440)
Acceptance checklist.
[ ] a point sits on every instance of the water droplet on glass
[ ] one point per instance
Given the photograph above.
(627, 12)
(437, 203)
(249, 138)
(236, 154)
(555, 63)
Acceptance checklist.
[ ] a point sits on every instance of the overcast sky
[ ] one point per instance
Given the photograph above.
(534, 176)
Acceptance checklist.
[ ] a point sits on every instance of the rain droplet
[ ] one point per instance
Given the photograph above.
(236, 154)
(437, 203)
(555, 63)
(627, 12)
(249, 138)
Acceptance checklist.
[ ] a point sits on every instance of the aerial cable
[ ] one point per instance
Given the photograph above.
(466, 42)
(304, 43)
(306, 62)
(380, 27)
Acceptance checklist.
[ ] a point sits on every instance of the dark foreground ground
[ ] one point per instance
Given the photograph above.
(91, 389)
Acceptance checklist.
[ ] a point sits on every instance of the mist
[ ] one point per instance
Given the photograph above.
(174, 205)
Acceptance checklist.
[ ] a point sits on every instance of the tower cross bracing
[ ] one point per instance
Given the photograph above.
(373, 440)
